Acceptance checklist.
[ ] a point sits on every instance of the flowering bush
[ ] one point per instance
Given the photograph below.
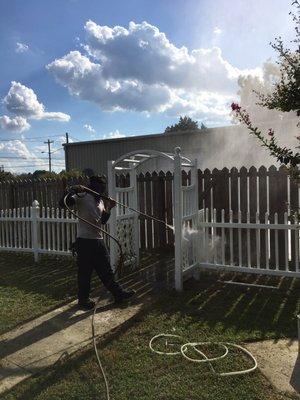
(285, 97)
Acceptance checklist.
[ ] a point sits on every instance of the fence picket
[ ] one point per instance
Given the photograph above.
(223, 237)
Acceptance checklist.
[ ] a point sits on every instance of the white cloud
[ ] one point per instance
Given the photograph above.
(139, 69)
(14, 124)
(29, 158)
(85, 79)
(21, 47)
(16, 148)
(113, 135)
(89, 128)
(22, 101)
(217, 30)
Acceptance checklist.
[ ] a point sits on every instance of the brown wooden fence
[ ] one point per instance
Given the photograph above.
(254, 190)
(21, 193)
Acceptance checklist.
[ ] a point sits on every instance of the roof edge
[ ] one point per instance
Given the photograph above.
(151, 135)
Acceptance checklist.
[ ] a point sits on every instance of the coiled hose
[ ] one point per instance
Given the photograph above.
(185, 346)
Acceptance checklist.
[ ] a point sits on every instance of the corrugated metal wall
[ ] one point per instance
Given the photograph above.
(214, 148)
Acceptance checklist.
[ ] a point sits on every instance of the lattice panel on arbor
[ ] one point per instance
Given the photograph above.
(125, 235)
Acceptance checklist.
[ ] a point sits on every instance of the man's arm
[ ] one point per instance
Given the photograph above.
(70, 201)
(105, 217)
(106, 213)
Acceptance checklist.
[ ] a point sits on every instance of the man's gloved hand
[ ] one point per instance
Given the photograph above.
(77, 189)
(111, 203)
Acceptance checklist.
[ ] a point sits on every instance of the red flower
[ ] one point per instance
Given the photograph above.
(271, 132)
(235, 107)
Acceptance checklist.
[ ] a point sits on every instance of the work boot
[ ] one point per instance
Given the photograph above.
(124, 295)
(86, 304)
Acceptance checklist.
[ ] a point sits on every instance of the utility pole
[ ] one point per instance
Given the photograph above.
(49, 142)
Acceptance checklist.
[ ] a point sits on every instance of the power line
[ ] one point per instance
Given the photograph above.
(31, 166)
(56, 150)
(29, 158)
(25, 166)
(32, 138)
(72, 137)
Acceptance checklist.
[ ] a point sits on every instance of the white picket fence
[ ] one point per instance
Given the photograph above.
(263, 247)
(37, 230)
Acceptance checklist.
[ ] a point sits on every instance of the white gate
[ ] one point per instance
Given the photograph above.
(185, 219)
(124, 223)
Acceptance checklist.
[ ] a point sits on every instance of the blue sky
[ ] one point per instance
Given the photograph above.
(72, 74)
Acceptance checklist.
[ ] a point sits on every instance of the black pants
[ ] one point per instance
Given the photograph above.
(92, 254)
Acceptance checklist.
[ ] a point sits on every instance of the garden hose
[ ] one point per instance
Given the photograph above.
(121, 262)
(184, 347)
(120, 265)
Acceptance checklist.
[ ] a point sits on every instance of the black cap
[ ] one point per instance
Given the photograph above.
(98, 179)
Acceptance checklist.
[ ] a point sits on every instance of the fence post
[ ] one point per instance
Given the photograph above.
(113, 218)
(35, 229)
(178, 219)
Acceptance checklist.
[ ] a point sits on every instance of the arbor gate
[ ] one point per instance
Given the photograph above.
(124, 223)
(207, 238)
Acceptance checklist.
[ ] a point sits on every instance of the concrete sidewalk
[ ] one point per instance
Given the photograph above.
(42, 342)
(279, 361)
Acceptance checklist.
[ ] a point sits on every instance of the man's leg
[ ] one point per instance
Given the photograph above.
(85, 269)
(105, 273)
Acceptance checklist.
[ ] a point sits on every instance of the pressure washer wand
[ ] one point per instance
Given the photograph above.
(129, 208)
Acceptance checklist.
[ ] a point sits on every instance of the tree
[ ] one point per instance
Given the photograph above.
(6, 176)
(285, 97)
(185, 124)
(286, 94)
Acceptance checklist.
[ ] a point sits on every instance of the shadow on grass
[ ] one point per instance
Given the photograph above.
(54, 277)
(249, 312)
(210, 307)
(42, 380)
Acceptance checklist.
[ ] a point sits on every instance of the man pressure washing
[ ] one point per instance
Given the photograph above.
(91, 250)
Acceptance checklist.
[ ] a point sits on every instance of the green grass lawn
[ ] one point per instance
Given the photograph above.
(206, 310)
(28, 290)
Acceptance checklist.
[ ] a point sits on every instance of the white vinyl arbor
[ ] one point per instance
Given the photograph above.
(124, 223)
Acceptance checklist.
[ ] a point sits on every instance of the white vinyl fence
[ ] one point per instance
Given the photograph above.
(37, 230)
(263, 246)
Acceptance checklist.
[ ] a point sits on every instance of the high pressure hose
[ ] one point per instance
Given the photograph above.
(185, 346)
(98, 301)
(129, 208)
(118, 268)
